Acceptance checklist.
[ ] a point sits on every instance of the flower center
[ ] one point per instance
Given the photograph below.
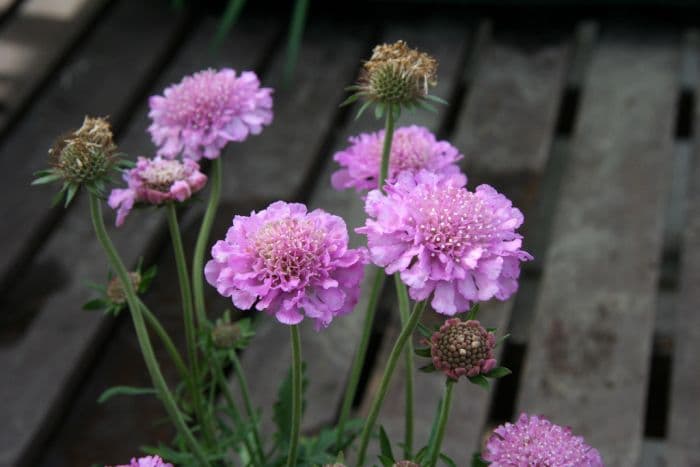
(408, 153)
(200, 101)
(161, 174)
(462, 346)
(452, 219)
(290, 249)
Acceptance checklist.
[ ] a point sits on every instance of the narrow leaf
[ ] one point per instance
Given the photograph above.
(123, 391)
(424, 330)
(437, 99)
(502, 339)
(350, 100)
(477, 461)
(362, 109)
(473, 312)
(379, 111)
(386, 462)
(96, 304)
(429, 368)
(46, 179)
(480, 380)
(448, 460)
(385, 445)
(231, 14)
(498, 372)
(422, 351)
(72, 190)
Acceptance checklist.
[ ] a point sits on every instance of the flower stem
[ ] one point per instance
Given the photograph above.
(144, 340)
(203, 240)
(386, 150)
(404, 311)
(190, 331)
(296, 396)
(167, 341)
(434, 448)
(406, 333)
(359, 359)
(250, 410)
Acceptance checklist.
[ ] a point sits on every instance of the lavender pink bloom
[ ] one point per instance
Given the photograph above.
(148, 461)
(200, 115)
(442, 238)
(413, 148)
(289, 263)
(535, 440)
(155, 181)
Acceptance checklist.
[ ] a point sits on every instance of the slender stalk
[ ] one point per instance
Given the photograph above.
(296, 397)
(202, 241)
(386, 149)
(233, 408)
(247, 401)
(190, 330)
(296, 30)
(406, 333)
(167, 342)
(404, 311)
(443, 414)
(144, 340)
(359, 360)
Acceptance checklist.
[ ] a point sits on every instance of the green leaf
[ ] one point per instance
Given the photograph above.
(426, 106)
(448, 460)
(478, 461)
(379, 111)
(282, 410)
(362, 109)
(385, 445)
(429, 368)
(502, 339)
(386, 462)
(437, 99)
(498, 372)
(424, 330)
(70, 194)
(480, 380)
(492, 329)
(350, 99)
(473, 312)
(230, 16)
(422, 351)
(123, 391)
(420, 456)
(52, 177)
(96, 304)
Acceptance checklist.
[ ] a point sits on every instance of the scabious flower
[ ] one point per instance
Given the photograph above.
(289, 263)
(156, 181)
(200, 115)
(148, 461)
(442, 238)
(535, 440)
(462, 348)
(413, 148)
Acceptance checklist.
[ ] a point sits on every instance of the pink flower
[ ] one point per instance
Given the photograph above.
(289, 263)
(206, 110)
(442, 238)
(535, 440)
(412, 148)
(462, 348)
(148, 461)
(156, 181)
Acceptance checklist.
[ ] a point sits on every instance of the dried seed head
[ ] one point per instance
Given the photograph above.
(462, 348)
(397, 74)
(115, 289)
(226, 335)
(85, 155)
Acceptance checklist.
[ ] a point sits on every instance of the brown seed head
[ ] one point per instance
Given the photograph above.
(462, 348)
(115, 289)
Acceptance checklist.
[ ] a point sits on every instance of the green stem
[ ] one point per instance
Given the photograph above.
(359, 359)
(190, 331)
(144, 340)
(444, 413)
(406, 333)
(247, 401)
(296, 397)
(404, 311)
(296, 30)
(203, 240)
(386, 150)
(233, 409)
(167, 342)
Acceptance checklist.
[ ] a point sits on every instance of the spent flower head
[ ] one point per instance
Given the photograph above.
(534, 440)
(112, 296)
(232, 335)
(86, 156)
(290, 263)
(155, 181)
(442, 238)
(395, 77)
(198, 116)
(413, 148)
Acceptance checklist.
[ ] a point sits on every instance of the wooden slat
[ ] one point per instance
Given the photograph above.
(588, 355)
(505, 127)
(34, 40)
(41, 367)
(683, 444)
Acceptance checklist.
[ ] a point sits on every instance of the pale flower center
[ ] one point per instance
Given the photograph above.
(161, 174)
(409, 153)
(200, 101)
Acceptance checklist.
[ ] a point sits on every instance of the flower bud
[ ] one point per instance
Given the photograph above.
(226, 335)
(463, 348)
(115, 288)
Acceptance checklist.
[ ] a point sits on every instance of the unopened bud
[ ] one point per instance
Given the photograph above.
(226, 335)
(463, 348)
(115, 288)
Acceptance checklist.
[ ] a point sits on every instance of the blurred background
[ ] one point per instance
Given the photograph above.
(583, 113)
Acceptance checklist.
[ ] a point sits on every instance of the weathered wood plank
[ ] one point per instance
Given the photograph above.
(505, 128)
(37, 380)
(33, 42)
(683, 444)
(103, 78)
(589, 350)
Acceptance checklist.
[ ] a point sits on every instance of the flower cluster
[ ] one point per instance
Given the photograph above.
(200, 115)
(442, 238)
(148, 461)
(156, 181)
(413, 148)
(290, 263)
(462, 348)
(534, 440)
